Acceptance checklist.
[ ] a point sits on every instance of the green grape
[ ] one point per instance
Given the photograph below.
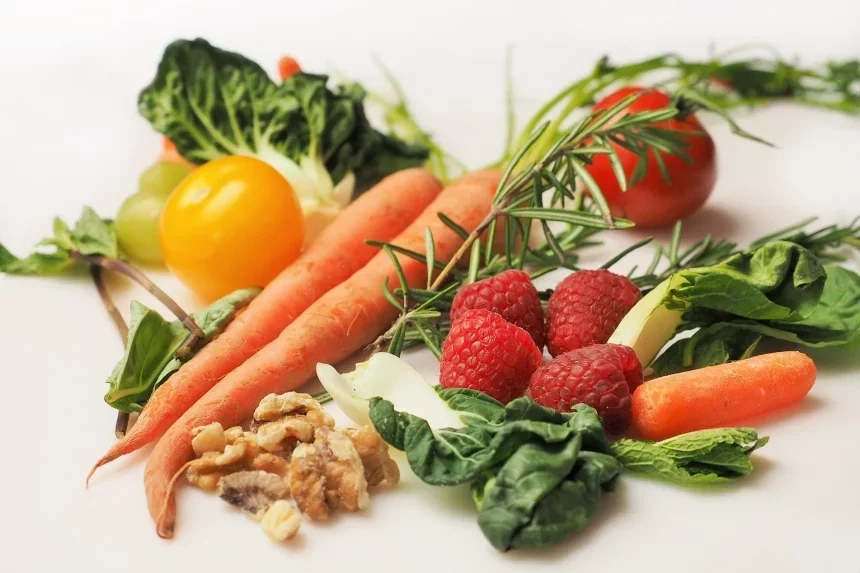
(163, 177)
(137, 227)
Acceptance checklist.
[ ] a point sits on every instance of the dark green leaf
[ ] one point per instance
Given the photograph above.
(211, 103)
(715, 344)
(152, 344)
(149, 359)
(476, 407)
(536, 474)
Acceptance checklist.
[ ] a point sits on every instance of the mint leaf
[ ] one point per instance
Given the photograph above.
(34, 264)
(149, 359)
(95, 236)
(706, 456)
(91, 236)
(152, 343)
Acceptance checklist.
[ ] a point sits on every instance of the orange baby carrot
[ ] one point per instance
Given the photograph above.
(169, 153)
(288, 66)
(344, 320)
(381, 213)
(723, 395)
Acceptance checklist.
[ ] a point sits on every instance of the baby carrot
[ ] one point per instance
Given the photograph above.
(722, 395)
(343, 321)
(381, 213)
(287, 66)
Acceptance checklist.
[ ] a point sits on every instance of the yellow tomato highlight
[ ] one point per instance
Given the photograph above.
(233, 223)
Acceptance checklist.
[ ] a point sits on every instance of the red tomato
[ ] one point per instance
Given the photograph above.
(652, 202)
(288, 66)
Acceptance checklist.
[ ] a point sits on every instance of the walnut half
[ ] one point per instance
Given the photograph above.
(378, 466)
(253, 491)
(345, 482)
(308, 481)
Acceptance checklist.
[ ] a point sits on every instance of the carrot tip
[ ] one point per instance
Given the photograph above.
(99, 464)
(165, 521)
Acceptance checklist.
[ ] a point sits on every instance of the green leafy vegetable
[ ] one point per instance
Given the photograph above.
(211, 103)
(150, 354)
(834, 320)
(779, 289)
(705, 456)
(91, 236)
(536, 474)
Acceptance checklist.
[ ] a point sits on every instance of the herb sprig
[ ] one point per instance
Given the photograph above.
(518, 207)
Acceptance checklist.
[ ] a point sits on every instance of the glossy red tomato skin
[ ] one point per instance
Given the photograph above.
(652, 202)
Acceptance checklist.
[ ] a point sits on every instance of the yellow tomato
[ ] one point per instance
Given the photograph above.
(234, 222)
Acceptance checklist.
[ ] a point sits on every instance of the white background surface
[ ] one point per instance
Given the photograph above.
(71, 135)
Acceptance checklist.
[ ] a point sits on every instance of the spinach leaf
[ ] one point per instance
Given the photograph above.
(709, 346)
(543, 493)
(834, 320)
(474, 407)
(778, 281)
(92, 235)
(536, 474)
(149, 358)
(706, 456)
(211, 103)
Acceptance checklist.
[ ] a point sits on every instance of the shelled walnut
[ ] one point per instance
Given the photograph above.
(292, 449)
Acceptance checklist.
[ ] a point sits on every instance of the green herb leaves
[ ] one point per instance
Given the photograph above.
(150, 354)
(536, 474)
(780, 290)
(706, 456)
(212, 103)
(91, 236)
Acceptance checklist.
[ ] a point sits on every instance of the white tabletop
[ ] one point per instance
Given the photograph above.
(71, 135)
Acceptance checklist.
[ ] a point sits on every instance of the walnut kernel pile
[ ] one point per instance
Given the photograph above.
(292, 450)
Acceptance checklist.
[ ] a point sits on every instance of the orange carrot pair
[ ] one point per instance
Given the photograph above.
(381, 213)
(723, 395)
(341, 322)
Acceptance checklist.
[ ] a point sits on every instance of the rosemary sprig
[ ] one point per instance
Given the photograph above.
(518, 205)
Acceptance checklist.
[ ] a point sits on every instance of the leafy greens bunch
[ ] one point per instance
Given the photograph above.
(212, 103)
(537, 475)
(778, 289)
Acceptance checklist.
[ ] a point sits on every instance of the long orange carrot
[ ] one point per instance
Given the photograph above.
(344, 320)
(381, 213)
(723, 395)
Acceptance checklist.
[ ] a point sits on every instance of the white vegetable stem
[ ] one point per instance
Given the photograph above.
(389, 377)
(649, 325)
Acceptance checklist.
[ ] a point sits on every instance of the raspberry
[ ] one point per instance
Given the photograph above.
(485, 352)
(603, 376)
(586, 308)
(510, 294)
